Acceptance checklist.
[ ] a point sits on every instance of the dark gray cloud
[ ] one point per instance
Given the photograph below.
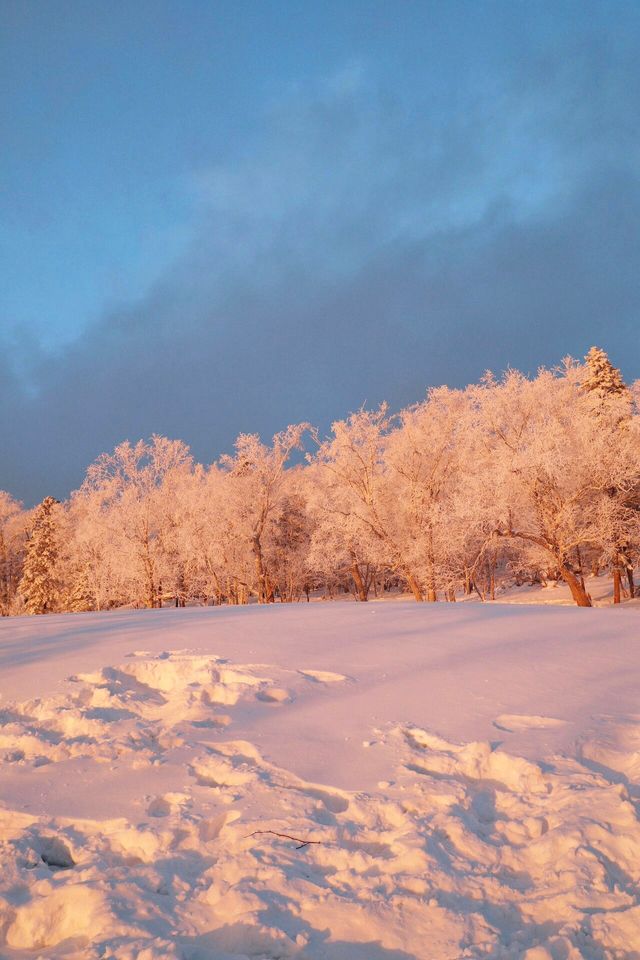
(363, 251)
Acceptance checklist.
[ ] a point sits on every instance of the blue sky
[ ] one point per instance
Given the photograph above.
(226, 216)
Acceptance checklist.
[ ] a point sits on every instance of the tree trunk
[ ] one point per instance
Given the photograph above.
(269, 590)
(616, 584)
(632, 589)
(361, 590)
(578, 592)
(493, 563)
(414, 587)
(260, 572)
(580, 570)
(150, 586)
(431, 565)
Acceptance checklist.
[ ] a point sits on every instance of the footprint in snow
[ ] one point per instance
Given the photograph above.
(159, 807)
(322, 676)
(516, 722)
(54, 852)
(273, 695)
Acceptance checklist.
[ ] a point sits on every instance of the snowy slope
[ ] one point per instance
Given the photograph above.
(466, 776)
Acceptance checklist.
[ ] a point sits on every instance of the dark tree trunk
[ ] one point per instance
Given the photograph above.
(361, 590)
(580, 571)
(260, 571)
(578, 592)
(616, 584)
(414, 587)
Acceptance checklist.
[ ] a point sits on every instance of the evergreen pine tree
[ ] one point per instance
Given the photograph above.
(603, 382)
(77, 598)
(39, 586)
(602, 378)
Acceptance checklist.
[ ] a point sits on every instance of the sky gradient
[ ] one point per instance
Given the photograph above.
(229, 216)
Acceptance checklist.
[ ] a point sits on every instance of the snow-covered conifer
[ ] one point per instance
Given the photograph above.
(602, 378)
(39, 584)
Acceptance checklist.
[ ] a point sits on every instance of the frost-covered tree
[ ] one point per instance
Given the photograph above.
(257, 483)
(289, 544)
(40, 586)
(130, 495)
(343, 553)
(600, 377)
(226, 549)
(12, 541)
(609, 393)
(538, 467)
(423, 459)
(550, 460)
(360, 494)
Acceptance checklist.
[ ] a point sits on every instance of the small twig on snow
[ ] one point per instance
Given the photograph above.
(301, 843)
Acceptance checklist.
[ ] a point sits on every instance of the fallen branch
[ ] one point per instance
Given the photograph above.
(285, 836)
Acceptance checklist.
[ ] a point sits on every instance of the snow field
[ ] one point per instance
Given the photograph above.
(137, 825)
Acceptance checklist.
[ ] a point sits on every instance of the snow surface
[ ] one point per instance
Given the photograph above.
(380, 781)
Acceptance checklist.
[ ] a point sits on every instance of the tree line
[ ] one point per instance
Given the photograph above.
(511, 480)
